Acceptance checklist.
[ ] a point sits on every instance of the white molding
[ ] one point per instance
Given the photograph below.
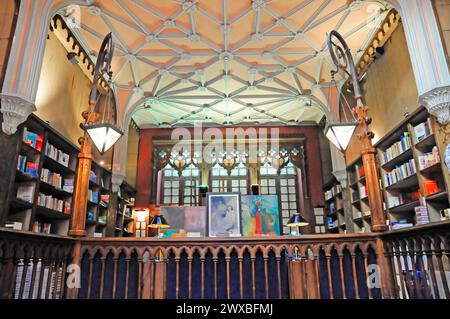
(116, 181)
(437, 101)
(15, 111)
(341, 177)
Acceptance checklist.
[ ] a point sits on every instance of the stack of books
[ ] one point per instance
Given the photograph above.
(32, 139)
(21, 163)
(32, 169)
(104, 200)
(398, 148)
(399, 173)
(57, 155)
(423, 130)
(14, 225)
(422, 216)
(429, 159)
(400, 225)
(68, 185)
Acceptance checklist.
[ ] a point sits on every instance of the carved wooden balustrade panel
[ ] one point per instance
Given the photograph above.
(270, 267)
(33, 266)
(414, 264)
(419, 261)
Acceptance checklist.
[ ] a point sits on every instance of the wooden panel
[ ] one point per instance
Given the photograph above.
(442, 9)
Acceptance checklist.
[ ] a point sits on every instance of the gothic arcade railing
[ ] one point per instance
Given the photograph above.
(414, 263)
(313, 266)
(33, 266)
(419, 261)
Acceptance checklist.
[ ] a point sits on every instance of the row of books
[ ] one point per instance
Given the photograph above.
(42, 228)
(429, 159)
(93, 196)
(423, 130)
(32, 139)
(333, 192)
(401, 199)
(52, 203)
(397, 148)
(29, 168)
(51, 178)
(57, 181)
(399, 173)
(57, 155)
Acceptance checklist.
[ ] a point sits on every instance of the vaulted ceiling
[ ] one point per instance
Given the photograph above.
(225, 62)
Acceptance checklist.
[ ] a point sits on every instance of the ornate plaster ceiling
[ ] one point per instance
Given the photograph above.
(225, 61)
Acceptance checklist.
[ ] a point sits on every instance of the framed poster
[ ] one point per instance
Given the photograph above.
(223, 214)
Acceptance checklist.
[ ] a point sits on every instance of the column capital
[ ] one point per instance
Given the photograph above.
(116, 181)
(341, 176)
(437, 101)
(15, 111)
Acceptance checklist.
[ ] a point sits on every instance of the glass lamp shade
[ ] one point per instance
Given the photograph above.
(297, 221)
(340, 134)
(104, 135)
(159, 222)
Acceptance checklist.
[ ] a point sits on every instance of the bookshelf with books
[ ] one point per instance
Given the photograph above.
(334, 206)
(124, 226)
(41, 197)
(413, 183)
(360, 218)
(98, 200)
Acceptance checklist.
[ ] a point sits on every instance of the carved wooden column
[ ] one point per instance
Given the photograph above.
(370, 167)
(78, 224)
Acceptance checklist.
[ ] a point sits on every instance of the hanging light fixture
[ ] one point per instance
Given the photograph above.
(103, 133)
(340, 134)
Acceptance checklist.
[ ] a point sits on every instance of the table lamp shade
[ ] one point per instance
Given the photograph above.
(297, 221)
(159, 222)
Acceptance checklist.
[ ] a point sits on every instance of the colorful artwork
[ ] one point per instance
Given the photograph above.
(224, 214)
(174, 216)
(195, 220)
(260, 215)
(185, 219)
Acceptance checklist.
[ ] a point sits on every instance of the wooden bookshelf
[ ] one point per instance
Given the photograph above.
(45, 176)
(334, 206)
(98, 202)
(419, 178)
(124, 226)
(360, 209)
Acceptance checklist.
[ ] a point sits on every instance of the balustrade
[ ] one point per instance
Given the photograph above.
(413, 263)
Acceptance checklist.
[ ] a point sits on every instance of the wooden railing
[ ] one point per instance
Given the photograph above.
(419, 261)
(412, 264)
(33, 266)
